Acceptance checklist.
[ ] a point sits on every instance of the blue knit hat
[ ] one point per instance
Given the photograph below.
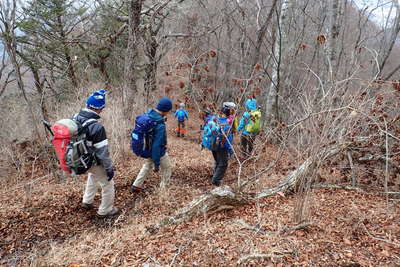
(164, 105)
(97, 100)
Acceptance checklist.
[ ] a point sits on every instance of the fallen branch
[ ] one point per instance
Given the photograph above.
(296, 227)
(380, 239)
(225, 197)
(220, 196)
(257, 256)
(334, 186)
(292, 180)
(250, 227)
(381, 158)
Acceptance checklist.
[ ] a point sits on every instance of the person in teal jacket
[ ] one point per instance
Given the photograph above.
(247, 138)
(159, 156)
(182, 115)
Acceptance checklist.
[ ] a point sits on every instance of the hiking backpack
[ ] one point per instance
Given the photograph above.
(254, 124)
(181, 115)
(215, 134)
(142, 135)
(70, 144)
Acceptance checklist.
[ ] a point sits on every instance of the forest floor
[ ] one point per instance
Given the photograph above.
(42, 223)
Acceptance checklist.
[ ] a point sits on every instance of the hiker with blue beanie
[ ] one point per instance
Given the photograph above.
(159, 157)
(100, 174)
(249, 126)
(181, 114)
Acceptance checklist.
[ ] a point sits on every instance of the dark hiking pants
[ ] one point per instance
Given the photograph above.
(247, 143)
(221, 164)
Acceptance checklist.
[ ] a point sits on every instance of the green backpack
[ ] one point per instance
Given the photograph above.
(254, 124)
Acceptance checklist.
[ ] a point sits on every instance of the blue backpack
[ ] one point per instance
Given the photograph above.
(181, 114)
(217, 134)
(142, 135)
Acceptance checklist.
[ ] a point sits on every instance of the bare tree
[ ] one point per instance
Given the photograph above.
(8, 22)
(130, 73)
(272, 111)
(389, 39)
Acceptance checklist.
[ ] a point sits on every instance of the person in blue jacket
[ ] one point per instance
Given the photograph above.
(247, 138)
(222, 147)
(182, 115)
(159, 156)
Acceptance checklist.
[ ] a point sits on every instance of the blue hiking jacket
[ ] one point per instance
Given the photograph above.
(251, 104)
(227, 145)
(244, 121)
(159, 146)
(181, 114)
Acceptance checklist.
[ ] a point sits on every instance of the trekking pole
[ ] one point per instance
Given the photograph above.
(47, 125)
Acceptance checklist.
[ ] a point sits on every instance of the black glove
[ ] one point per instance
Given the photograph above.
(110, 174)
(156, 168)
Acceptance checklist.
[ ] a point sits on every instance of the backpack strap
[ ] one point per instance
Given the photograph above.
(88, 122)
(85, 124)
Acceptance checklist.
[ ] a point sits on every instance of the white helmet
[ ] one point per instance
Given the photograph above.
(182, 105)
(230, 105)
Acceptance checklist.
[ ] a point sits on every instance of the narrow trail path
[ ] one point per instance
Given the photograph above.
(39, 212)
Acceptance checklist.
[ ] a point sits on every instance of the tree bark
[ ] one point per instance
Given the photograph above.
(130, 77)
(388, 44)
(271, 105)
(334, 30)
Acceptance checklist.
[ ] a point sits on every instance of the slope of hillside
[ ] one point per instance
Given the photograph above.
(42, 222)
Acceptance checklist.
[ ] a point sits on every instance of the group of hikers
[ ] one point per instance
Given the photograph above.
(149, 140)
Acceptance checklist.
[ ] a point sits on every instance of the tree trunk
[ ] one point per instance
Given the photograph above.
(130, 87)
(11, 47)
(67, 52)
(150, 83)
(388, 44)
(334, 29)
(271, 105)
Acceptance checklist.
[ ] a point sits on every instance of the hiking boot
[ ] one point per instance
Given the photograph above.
(136, 189)
(111, 213)
(216, 183)
(86, 206)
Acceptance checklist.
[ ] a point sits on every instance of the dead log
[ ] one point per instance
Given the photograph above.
(290, 182)
(220, 196)
(225, 196)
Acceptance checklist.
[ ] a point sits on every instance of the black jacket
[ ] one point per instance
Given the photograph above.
(96, 137)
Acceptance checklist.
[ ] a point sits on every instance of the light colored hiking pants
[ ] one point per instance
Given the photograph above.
(165, 169)
(98, 178)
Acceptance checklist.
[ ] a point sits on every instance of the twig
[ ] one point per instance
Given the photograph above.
(296, 227)
(353, 175)
(378, 238)
(333, 186)
(386, 157)
(250, 227)
(257, 256)
(176, 255)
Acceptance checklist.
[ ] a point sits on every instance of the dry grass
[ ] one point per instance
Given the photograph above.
(71, 235)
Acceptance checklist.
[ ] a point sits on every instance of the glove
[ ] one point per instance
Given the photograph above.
(156, 168)
(110, 174)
